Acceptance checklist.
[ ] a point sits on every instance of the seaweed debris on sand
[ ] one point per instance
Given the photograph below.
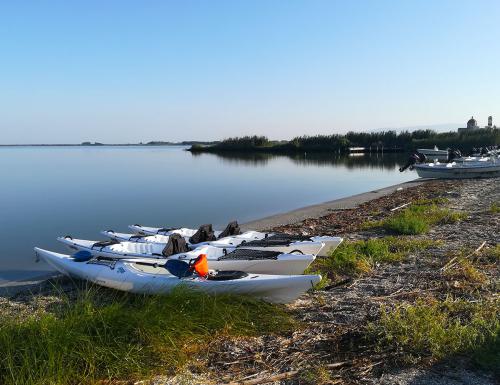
(449, 283)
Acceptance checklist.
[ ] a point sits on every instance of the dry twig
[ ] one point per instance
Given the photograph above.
(452, 262)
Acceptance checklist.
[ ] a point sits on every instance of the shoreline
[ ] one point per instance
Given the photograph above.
(11, 288)
(321, 209)
(32, 283)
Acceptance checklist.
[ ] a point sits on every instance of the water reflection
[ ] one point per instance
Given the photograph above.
(53, 191)
(242, 158)
(388, 161)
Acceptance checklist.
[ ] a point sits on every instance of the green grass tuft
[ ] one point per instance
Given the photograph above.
(126, 336)
(315, 375)
(495, 208)
(441, 329)
(418, 218)
(354, 258)
(492, 253)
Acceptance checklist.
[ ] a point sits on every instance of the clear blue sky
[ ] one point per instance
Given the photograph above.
(128, 71)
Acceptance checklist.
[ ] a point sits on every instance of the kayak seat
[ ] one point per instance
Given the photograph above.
(176, 244)
(227, 275)
(178, 268)
(232, 228)
(249, 254)
(102, 244)
(205, 233)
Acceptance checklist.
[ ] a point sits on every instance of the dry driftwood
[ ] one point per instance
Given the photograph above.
(400, 207)
(452, 262)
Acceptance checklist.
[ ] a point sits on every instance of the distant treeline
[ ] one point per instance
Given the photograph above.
(153, 143)
(387, 140)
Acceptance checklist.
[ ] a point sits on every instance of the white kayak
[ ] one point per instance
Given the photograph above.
(160, 235)
(134, 277)
(248, 240)
(186, 233)
(248, 260)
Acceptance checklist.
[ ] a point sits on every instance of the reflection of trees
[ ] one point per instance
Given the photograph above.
(388, 161)
(249, 158)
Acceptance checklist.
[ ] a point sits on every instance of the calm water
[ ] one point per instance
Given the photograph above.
(51, 191)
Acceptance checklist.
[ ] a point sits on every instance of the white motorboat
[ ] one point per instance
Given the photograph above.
(460, 170)
(433, 153)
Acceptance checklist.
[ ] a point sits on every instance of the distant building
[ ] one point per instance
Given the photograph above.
(472, 124)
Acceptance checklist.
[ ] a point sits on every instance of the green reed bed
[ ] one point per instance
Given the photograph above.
(441, 329)
(418, 218)
(355, 258)
(126, 336)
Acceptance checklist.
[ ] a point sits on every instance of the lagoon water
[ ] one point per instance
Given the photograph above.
(51, 191)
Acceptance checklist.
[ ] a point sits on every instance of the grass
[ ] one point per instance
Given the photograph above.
(495, 208)
(418, 218)
(492, 253)
(442, 329)
(126, 336)
(355, 258)
(466, 270)
(316, 375)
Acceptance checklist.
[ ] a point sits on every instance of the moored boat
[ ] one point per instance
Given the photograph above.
(463, 170)
(433, 152)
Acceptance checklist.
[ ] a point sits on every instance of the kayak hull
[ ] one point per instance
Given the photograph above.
(130, 277)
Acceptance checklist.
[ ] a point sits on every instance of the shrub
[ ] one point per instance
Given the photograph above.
(355, 258)
(418, 218)
(440, 329)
